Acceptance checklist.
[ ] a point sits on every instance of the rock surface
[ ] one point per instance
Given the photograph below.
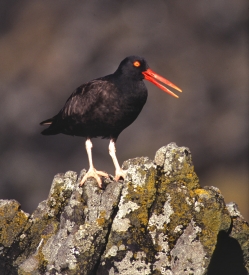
(158, 221)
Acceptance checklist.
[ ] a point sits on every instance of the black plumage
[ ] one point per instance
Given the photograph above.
(105, 106)
(102, 107)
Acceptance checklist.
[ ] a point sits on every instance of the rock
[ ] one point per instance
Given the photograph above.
(158, 221)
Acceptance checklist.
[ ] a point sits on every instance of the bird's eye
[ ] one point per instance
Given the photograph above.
(136, 64)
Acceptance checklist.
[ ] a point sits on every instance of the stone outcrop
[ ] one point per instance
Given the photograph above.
(158, 221)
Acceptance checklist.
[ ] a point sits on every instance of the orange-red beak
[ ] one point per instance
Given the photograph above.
(152, 77)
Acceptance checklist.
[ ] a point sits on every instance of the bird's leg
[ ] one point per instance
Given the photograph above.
(119, 172)
(92, 172)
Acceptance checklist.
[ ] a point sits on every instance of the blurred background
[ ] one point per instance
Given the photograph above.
(49, 48)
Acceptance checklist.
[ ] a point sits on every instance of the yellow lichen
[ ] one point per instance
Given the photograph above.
(203, 192)
(101, 220)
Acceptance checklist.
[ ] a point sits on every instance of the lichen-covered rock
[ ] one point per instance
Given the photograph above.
(76, 228)
(158, 221)
(240, 232)
(129, 240)
(12, 222)
(165, 219)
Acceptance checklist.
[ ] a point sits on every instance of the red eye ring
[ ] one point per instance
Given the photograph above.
(136, 64)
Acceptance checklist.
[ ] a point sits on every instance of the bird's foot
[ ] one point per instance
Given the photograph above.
(93, 173)
(120, 173)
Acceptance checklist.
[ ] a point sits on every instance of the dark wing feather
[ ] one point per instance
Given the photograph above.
(85, 98)
(81, 109)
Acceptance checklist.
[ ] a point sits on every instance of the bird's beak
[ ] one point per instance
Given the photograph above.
(152, 77)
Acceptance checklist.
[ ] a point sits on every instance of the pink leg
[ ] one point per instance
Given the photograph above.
(92, 172)
(119, 172)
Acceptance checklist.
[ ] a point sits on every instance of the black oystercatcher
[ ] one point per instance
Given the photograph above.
(104, 107)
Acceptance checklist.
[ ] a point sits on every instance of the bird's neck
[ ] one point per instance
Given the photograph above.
(127, 76)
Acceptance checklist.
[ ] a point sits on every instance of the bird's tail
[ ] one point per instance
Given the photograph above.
(51, 130)
(47, 121)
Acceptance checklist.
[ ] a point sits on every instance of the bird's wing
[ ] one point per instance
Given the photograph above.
(85, 98)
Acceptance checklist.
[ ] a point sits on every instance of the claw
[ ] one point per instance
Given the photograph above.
(93, 173)
(120, 173)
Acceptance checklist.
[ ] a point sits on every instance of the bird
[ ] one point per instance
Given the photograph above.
(104, 107)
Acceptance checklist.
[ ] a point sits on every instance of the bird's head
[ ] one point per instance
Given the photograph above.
(136, 68)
